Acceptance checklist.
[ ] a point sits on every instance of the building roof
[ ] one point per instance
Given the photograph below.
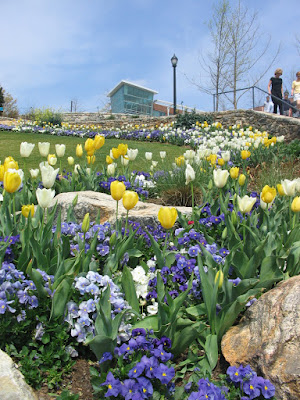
(113, 91)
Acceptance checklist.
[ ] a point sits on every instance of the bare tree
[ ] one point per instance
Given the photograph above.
(215, 63)
(75, 105)
(246, 50)
(297, 44)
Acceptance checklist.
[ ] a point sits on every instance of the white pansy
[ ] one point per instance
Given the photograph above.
(153, 309)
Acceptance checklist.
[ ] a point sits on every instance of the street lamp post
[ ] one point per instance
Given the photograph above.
(174, 61)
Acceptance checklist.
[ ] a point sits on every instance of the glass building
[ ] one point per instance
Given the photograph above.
(129, 98)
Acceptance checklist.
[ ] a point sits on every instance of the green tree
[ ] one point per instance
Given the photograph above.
(1, 97)
(10, 108)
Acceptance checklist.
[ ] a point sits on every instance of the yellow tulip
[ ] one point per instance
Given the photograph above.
(245, 154)
(89, 147)
(79, 150)
(221, 162)
(212, 158)
(242, 179)
(179, 161)
(268, 194)
(167, 217)
(27, 209)
(129, 199)
(295, 206)
(122, 148)
(115, 152)
(280, 189)
(117, 190)
(99, 142)
(219, 279)
(234, 172)
(10, 163)
(12, 181)
(52, 160)
(109, 160)
(1, 173)
(91, 159)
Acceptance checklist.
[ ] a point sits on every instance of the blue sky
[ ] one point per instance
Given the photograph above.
(54, 51)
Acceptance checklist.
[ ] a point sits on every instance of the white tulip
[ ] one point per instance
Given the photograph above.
(44, 148)
(48, 176)
(162, 154)
(60, 149)
(148, 155)
(246, 203)
(124, 161)
(88, 171)
(154, 163)
(76, 168)
(52, 160)
(44, 197)
(111, 169)
(70, 160)
(189, 174)
(34, 173)
(289, 187)
(297, 185)
(226, 155)
(220, 177)
(26, 149)
(189, 155)
(132, 154)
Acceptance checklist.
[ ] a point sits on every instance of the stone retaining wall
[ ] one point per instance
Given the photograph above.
(276, 125)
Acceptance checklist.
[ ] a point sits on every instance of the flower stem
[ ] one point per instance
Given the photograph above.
(14, 207)
(126, 223)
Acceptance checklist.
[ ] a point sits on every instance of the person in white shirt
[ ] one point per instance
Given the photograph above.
(268, 105)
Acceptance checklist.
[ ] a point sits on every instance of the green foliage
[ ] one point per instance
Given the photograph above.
(10, 108)
(66, 395)
(44, 360)
(188, 120)
(45, 116)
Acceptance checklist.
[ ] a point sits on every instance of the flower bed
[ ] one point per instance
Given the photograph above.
(147, 305)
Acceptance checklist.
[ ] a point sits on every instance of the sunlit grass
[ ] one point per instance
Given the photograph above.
(10, 146)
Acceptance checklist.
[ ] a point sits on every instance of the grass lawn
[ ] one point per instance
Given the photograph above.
(10, 146)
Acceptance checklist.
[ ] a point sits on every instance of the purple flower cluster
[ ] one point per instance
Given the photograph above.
(251, 384)
(9, 255)
(207, 390)
(81, 315)
(144, 376)
(19, 292)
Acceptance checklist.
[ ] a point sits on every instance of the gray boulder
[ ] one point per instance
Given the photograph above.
(12, 383)
(268, 338)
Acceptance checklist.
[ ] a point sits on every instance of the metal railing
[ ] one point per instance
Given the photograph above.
(252, 88)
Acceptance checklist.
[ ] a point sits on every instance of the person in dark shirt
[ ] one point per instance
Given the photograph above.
(275, 89)
(286, 105)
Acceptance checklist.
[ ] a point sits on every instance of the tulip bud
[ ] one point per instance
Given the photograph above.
(111, 169)
(113, 239)
(295, 206)
(79, 151)
(12, 181)
(224, 233)
(122, 148)
(70, 160)
(99, 141)
(130, 199)
(167, 217)
(28, 209)
(109, 160)
(117, 190)
(26, 149)
(75, 200)
(234, 172)
(89, 147)
(86, 223)
(52, 160)
(280, 189)
(148, 155)
(115, 153)
(234, 218)
(242, 179)
(44, 148)
(162, 154)
(219, 279)
(1, 173)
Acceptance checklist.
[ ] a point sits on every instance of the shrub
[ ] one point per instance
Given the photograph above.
(46, 116)
(187, 120)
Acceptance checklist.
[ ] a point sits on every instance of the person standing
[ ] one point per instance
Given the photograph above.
(268, 105)
(286, 105)
(276, 90)
(295, 92)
